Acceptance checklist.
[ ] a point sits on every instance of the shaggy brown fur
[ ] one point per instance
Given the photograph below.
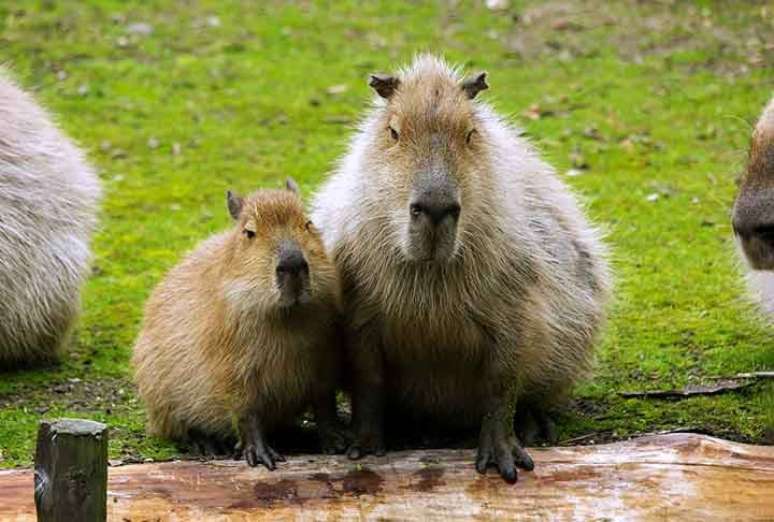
(221, 340)
(472, 279)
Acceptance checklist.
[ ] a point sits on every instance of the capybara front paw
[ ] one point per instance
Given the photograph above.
(265, 455)
(503, 452)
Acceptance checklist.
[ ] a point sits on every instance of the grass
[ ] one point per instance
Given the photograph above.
(656, 100)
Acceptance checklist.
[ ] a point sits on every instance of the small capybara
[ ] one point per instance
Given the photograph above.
(242, 332)
(49, 198)
(753, 216)
(474, 286)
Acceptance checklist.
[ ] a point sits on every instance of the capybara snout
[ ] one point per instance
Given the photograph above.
(292, 273)
(434, 211)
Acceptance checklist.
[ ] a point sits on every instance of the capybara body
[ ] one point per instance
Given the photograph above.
(753, 216)
(242, 332)
(49, 199)
(472, 281)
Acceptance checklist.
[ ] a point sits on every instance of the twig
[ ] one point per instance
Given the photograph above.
(689, 391)
(748, 375)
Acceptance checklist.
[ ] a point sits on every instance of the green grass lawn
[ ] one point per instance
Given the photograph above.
(178, 102)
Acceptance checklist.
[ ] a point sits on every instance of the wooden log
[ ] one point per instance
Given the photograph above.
(664, 477)
(71, 471)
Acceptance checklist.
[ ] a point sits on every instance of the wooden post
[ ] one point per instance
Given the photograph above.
(71, 471)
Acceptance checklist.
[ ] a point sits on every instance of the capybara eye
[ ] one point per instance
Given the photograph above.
(394, 134)
(309, 226)
(469, 137)
(249, 233)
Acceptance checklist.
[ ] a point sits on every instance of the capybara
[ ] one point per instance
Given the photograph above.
(49, 198)
(753, 215)
(242, 333)
(473, 284)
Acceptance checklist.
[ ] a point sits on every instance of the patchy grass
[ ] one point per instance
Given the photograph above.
(650, 103)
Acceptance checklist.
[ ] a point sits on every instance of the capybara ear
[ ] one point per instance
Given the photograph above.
(384, 85)
(292, 186)
(474, 85)
(234, 204)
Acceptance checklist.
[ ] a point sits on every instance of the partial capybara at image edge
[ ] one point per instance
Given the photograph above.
(49, 198)
(753, 216)
(243, 331)
(473, 282)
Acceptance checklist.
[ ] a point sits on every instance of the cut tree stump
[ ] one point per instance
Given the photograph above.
(70, 478)
(664, 477)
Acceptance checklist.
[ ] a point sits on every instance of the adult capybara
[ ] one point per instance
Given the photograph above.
(243, 329)
(473, 284)
(49, 200)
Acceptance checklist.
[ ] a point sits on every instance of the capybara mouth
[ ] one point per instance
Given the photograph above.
(758, 248)
(290, 298)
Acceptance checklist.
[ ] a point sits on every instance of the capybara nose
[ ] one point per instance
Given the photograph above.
(435, 210)
(291, 260)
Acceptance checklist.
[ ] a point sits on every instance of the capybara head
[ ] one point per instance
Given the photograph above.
(277, 256)
(753, 217)
(426, 152)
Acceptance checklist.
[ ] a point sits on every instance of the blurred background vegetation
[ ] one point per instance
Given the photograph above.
(645, 107)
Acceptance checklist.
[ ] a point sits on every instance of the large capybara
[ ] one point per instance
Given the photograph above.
(243, 330)
(473, 283)
(49, 199)
(753, 216)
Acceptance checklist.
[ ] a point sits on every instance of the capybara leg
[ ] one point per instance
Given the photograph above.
(497, 445)
(525, 426)
(535, 424)
(208, 445)
(546, 425)
(367, 398)
(333, 437)
(254, 447)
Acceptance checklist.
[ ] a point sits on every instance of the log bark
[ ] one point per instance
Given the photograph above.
(665, 477)
(70, 478)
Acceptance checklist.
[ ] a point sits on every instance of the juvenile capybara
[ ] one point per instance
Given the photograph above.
(473, 284)
(49, 199)
(753, 216)
(243, 330)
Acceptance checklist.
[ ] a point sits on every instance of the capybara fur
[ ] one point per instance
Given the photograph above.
(49, 199)
(242, 333)
(753, 216)
(472, 281)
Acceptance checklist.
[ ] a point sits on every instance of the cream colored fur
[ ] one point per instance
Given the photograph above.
(48, 210)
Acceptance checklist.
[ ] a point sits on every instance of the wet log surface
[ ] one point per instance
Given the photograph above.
(665, 477)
